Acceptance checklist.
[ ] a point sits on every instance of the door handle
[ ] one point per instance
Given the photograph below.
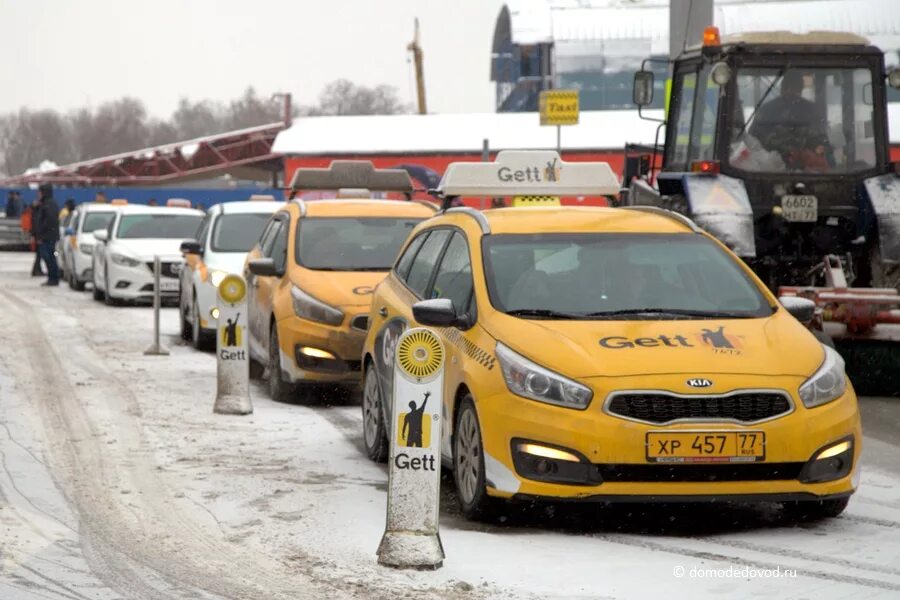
(383, 311)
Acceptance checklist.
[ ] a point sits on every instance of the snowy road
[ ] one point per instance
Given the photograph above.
(118, 481)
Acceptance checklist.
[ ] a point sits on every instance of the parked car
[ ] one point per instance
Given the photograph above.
(609, 354)
(77, 245)
(226, 235)
(124, 256)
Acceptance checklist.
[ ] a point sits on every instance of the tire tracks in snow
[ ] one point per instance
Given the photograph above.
(178, 558)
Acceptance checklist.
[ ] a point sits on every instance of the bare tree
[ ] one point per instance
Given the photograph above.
(196, 119)
(250, 110)
(28, 138)
(343, 97)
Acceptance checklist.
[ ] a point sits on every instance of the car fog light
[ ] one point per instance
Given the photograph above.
(829, 463)
(316, 352)
(214, 312)
(548, 452)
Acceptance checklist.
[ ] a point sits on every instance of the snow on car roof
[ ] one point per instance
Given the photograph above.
(534, 173)
(249, 206)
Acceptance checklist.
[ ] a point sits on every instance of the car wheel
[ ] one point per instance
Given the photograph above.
(110, 301)
(185, 324)
(815, 511)
(374, 431)
(279, 389)
(70, 279)
(200, 340)
(468, 463)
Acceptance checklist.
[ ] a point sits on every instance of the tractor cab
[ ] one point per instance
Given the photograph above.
(777, 144)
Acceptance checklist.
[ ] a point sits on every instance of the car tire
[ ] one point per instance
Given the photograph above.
(468, 463)
(809, 511)
(108, 299)
(279, 389)
(201, 340)
(70, 279)
(78, 285)
(185, 324)
(374, 430)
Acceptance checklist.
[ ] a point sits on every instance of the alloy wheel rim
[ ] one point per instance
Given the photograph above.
(371, 406)
(468, 453)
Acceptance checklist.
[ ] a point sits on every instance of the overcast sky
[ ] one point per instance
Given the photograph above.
(64, 54)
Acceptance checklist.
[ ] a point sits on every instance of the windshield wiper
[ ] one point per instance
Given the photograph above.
(662, 312)
(542, 313)
(369, 269)
(778, 77)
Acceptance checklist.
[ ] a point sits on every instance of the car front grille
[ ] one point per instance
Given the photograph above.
(659, 407)
(167, 269)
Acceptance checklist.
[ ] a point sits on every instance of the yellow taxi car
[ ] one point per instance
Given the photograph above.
(609, 354)
(312, 274)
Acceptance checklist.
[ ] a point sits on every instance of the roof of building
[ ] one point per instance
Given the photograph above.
(647, 21)
(460, 133)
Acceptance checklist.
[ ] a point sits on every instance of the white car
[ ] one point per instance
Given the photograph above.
(123, 264)
(227, 234)
(77, 246)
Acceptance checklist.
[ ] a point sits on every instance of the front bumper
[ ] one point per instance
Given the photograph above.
(343, 342)
(137, 283)
(612, 450)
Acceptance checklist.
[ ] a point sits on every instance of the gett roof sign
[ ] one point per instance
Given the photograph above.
(529, 173)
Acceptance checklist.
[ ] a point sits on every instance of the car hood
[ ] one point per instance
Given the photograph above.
(145, 249)
(776, 345)
(230, 262)
(339, 288)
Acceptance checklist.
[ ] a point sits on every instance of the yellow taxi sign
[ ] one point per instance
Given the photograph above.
(558, 107)
(519, 201)
(118, 202)
(178, 203)
(528, 173)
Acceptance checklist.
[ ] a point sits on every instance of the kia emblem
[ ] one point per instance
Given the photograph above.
(699, 383)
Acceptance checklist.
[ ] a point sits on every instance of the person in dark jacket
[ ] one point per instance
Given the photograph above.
(13, 205)
(46, 230)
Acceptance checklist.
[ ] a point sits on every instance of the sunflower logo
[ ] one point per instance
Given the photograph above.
(420, 353)
(232, 289)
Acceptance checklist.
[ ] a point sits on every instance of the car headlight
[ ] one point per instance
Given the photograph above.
(216, 277)
(530, 380)
(86, 248)
(828, 383)
(307, 307)
(125, 261)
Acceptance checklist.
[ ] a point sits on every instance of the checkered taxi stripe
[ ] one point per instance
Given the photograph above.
(485, 359)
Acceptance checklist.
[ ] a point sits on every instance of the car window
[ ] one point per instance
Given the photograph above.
(279, 247)
(402, 268)
(454, 275)
(236, 233)
(203, 231)
(351, 243)
(424, 262)
(158, 225)
(593, 273)
(95, 220)
(268, 236)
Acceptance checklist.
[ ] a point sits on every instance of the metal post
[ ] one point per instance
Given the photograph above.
(156, 349)
(559, 140)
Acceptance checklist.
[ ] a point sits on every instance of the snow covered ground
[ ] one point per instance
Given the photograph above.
(118, 481)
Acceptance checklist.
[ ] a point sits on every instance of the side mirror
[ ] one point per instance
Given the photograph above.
(191, 247)
(264, 267)
(801, 309)
(438, 312)
(101, 235)
(642, 91)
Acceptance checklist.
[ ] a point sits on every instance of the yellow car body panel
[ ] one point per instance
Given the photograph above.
(773, 353)
(348, 291)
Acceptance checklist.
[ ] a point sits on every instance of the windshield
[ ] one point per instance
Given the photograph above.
(238, 233)
(97, 220)
(158, 226)
(612, 275)
(803, 119)
(351, 243)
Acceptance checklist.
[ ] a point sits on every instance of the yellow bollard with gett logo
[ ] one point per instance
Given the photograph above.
(232, 358)
(411, 538)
